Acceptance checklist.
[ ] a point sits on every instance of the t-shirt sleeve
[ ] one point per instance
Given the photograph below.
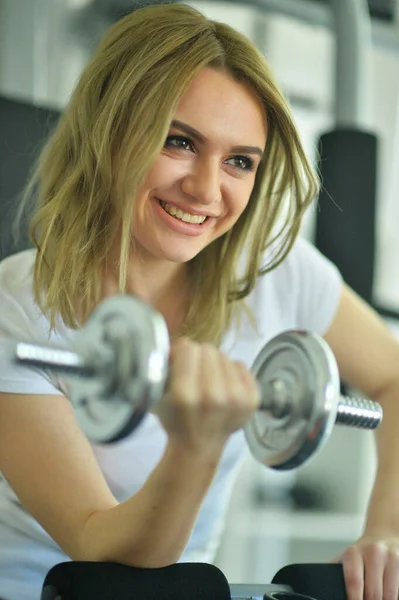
(15, 326)
(317, 285)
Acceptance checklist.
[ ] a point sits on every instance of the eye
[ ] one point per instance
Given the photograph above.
(242, 163)
(179, 141)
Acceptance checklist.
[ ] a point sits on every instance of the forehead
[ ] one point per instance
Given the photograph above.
(217, 105)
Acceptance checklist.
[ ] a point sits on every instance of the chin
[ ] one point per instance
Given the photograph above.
(179, 258)
(176, 254)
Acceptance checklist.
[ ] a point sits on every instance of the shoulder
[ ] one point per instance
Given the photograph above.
(20, 311)
(21, 319)
(303, 265)
(304, 289)
(17, 268)
(304, 254)
(16, 292)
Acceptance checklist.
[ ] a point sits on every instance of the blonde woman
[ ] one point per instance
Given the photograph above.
(175, 174)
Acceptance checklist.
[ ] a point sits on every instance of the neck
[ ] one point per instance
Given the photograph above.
(161, 284)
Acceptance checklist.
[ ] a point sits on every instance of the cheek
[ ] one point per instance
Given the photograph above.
(239, 198)
(153, 179)
(164, 172)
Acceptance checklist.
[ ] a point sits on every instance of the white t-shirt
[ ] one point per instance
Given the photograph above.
(302, 293)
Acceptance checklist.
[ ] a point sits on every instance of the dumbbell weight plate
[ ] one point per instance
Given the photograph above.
(306, 363)
(112, 403)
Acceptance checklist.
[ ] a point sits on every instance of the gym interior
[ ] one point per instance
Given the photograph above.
(337, 62)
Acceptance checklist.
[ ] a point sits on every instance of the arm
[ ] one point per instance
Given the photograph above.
(52, 469)
(368, 358)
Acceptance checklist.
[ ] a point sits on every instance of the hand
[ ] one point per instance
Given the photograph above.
(371, 568)
(208, 396)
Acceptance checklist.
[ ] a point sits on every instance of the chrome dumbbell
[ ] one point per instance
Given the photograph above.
(115, 370)
(301, 401)
(118, 368)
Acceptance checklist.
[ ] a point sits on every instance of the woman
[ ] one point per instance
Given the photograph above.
(175, 174)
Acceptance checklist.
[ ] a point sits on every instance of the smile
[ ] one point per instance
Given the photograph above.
(177, 213)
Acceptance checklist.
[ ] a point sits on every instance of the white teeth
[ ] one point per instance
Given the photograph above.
(183, 216)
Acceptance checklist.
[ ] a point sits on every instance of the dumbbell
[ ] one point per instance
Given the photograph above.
(117, 370)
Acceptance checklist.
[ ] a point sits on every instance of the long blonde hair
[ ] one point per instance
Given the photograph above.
(109, 136)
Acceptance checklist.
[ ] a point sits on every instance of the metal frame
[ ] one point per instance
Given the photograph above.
(314, 13)
(352, 68)
(355, 33)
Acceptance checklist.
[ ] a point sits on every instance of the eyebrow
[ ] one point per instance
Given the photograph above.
(196, 135)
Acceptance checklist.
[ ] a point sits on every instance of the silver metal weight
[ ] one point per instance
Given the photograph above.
(118, 369)
(300, 386)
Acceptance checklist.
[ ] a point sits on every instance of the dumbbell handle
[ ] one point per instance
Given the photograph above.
(59, 360)
(353, 412)
(358, 412)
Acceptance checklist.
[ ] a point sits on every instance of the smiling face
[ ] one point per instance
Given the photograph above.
(202, 180)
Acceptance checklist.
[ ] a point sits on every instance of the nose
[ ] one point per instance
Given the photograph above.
(202, 183)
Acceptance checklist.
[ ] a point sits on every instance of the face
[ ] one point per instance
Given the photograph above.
(202, 181)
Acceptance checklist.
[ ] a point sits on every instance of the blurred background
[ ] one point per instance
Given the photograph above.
(337, 61)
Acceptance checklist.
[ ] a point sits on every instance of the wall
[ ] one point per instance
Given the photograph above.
(41, 53)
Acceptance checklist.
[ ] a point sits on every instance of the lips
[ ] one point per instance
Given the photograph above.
(179, 226)
(190, 211)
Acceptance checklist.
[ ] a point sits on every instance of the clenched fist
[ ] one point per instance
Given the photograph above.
(207, 397)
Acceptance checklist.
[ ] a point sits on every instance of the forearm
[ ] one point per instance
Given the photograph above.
(383, 511)
(152, 528)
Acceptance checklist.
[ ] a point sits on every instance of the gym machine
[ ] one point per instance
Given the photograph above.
(188, 581)
(296, 372)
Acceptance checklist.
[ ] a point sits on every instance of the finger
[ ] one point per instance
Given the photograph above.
(184, 368)
(353, 573)
(213, 375)
(391, 577)
(242, 390)
(374, 565)
(250, 383)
